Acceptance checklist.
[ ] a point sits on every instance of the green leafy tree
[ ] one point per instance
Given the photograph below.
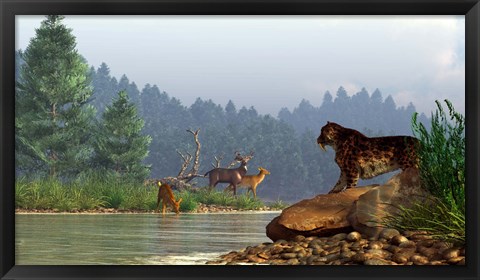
(120, 147)
(53, 121)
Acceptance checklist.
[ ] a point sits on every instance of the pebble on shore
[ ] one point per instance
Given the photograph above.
(390, 248)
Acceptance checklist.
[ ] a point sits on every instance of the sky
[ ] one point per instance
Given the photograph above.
(271, 62)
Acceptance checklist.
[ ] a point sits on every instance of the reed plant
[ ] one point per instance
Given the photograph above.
(442, 155)
(442, 172)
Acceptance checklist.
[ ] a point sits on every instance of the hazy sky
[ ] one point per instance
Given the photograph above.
(274, 61)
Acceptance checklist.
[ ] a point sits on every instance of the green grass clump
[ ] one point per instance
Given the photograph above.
(191, 199)
(442, 172)
(94, 191)
(278, 204)
(442, 156)
(247, 202)
(433, 216)
(189, 203)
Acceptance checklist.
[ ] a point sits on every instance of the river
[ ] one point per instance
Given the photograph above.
(135, 239)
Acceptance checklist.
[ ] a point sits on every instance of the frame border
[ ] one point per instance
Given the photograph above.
(10, 8)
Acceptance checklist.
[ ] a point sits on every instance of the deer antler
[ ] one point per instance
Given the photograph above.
(217, 161)
(240, 158)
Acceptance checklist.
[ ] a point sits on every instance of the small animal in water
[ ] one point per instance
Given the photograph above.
(166, 195)
(359, 156)
(251, 181)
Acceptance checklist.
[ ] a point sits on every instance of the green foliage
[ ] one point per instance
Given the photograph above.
(53, 122)
(442, 171)
(189, 202)
(247, 202)
(278, 204)
(50, 193)
(119, 145)
(433, 216)
(191, 199)
(442, 156)
(97, 190)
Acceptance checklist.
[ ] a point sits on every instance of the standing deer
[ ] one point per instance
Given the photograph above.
(226, 175)
(252, 181)
(166, 195)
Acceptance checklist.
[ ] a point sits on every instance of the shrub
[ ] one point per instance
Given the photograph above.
(442, 172)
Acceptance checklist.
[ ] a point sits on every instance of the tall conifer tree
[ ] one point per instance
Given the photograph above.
(51, 96)
(120, 147)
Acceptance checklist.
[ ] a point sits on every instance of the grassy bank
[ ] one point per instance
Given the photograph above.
(51, 194)
(442, 171)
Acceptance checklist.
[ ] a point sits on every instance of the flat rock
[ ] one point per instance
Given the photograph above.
(323, 215)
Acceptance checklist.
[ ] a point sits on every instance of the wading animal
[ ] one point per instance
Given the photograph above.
(359, 156)
(166, 195)
(252, 181)
(227, 175)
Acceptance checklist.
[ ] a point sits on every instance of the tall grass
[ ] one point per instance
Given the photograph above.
(433, 216)
(442, 155)
(442, 172)
(107, 191)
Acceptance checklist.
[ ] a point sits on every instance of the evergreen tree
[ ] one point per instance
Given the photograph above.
(119, 146)
(104, 88)
(131, 89)
(51, 110)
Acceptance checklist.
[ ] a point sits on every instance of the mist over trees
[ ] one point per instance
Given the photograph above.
(113, 120)
(285, 144)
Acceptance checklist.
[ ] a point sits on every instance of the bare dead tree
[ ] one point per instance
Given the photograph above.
(181, 181)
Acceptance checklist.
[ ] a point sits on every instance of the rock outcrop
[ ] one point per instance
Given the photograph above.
(323, 215)
(358, 208)
(370, 208)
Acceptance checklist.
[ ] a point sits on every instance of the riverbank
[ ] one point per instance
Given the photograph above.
(202, 208)
(391, 248)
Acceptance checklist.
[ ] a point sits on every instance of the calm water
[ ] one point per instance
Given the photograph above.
(134, 238)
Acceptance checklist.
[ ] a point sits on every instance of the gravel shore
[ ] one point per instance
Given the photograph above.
(391, 248)
(202, 208)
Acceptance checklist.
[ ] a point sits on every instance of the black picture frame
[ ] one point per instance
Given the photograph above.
(10, 8)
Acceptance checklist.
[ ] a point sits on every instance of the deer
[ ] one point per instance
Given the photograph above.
(232, 176)
(166, 195)
(252, 181)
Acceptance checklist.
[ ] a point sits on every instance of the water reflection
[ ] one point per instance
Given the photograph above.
(134, 238)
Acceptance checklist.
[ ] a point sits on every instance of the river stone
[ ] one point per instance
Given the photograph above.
(451, 253)
(354, 236)
(419, 259)
(397, 239)
(361, 257)
(377, 262)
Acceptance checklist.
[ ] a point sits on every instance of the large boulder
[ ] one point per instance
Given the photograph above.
(360, 209)
(323, 215)
(371, 207)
